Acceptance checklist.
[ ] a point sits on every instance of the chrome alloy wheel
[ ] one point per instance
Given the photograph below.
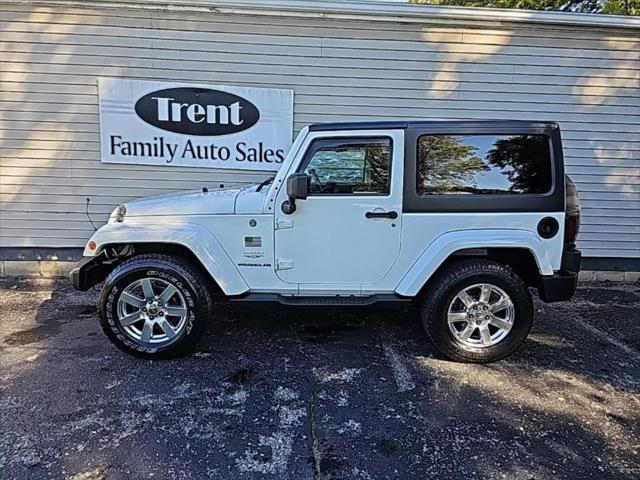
(480, 315)
(152, 311)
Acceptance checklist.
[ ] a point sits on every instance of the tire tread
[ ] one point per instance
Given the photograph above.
(196, 279)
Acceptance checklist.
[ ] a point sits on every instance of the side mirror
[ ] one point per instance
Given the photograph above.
(297, 188)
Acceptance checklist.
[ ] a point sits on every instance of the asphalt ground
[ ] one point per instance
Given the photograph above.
(317, 394)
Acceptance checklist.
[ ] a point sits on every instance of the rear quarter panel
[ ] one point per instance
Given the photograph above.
(428, 239)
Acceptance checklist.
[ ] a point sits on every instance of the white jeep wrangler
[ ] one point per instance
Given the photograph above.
(459, 217)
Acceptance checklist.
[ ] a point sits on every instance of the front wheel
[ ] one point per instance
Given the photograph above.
(477, 311)
(154, 306)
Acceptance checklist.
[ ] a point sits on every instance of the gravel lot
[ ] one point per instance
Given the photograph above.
(311, 394)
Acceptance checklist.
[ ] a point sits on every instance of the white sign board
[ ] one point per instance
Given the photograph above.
(159, 123)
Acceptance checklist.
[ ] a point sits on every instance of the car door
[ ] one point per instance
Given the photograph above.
(347, 231)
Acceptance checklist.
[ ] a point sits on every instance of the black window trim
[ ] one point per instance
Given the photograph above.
(315, 145)
(552, 201)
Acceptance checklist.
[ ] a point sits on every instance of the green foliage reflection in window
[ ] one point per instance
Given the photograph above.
(483, 164)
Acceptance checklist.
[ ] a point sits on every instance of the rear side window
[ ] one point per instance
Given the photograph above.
(349, 166)
(483, 164)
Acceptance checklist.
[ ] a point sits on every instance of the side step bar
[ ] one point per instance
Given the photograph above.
(389, 300)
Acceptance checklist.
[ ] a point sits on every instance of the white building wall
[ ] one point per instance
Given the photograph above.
(584, 77)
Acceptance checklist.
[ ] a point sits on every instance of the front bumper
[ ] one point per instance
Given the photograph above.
(561, 286)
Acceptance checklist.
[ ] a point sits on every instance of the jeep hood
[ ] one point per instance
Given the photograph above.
(219, 201)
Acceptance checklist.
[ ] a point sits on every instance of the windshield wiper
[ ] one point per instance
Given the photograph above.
(265, 183)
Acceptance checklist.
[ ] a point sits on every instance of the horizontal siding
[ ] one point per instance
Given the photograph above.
(587, 79)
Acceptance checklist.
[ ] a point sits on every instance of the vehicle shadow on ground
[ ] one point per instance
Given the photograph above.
(314, 394)
(564, 399)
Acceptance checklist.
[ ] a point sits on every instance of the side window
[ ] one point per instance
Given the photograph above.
(483, 164)
(349, 166)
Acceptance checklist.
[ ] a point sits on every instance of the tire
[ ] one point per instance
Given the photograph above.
(447, 317)
(164, 330)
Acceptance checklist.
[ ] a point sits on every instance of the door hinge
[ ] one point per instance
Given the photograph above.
(284, 264)
(281, 224)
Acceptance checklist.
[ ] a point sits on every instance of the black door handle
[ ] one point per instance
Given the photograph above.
(381, 215)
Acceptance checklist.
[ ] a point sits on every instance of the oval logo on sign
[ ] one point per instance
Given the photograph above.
(197, 111)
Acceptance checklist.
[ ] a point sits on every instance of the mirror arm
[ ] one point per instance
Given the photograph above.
(288, 206)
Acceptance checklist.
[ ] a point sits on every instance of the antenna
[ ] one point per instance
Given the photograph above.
(86, 211)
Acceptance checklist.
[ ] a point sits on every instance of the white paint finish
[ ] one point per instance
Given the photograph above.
(584, 76)
(220, 201)
(251, 201)
(255, 264)
(326, 246)
(331, 241)
(429, 238)
(446, 244)
(221, 234)
(279, 181)
(195, 237)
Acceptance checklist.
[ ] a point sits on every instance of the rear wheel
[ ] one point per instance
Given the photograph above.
(477, 311)
(155, 306)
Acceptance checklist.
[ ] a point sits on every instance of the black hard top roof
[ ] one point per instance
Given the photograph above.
(403, 124)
